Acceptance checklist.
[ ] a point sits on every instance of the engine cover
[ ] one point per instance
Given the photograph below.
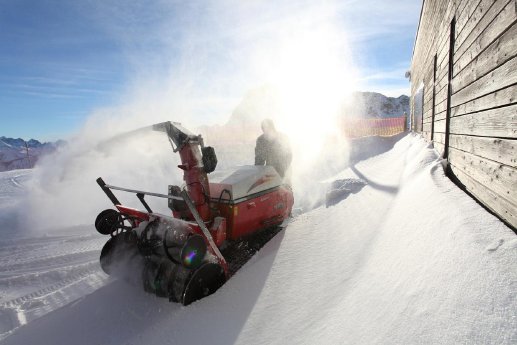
(244, 182)
(251, 198)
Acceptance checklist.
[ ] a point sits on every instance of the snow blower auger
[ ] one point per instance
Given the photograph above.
(214, 229)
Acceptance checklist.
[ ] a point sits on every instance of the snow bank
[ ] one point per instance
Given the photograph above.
(409, 259)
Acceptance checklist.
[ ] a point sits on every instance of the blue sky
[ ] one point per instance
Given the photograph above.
(62, 60)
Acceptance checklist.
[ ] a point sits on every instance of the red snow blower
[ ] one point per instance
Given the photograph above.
(214, 229)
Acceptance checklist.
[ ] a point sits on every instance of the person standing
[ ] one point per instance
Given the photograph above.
(273, 148)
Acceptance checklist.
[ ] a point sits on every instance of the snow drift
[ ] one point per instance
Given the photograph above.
(407, 259)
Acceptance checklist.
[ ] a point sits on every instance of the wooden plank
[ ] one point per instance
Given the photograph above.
(506, 96)
(499, 178)
(428, 107)
(465, 15)
(428, 114)
(444, 10)
(503, 76)
(441, 102)
(440, 148)
(428, 78)
(503, 151)
(426, 120)
(484, 14)
(441, 95)
(499, 51)
(500, 48)
(425, 78)
(442, 82)
(442, 50)
(428, 95)
(441, 31)
(439, 138)
(443, 72)
(493, 201)
(426, 128)
(435, 33)
(440, 116)
(439, 126)
(443, 53)
(462, 6)
(441, 105)
(435, 38)
(422, 43)
(499, 122)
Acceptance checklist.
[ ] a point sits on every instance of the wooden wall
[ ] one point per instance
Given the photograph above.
(465, 55)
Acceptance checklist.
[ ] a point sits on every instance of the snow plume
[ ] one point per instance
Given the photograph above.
(63, 191)
(192, 63)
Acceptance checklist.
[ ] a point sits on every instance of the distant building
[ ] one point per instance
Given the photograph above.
(464, 95)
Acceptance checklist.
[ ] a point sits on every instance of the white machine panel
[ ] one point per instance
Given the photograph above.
(243, 181)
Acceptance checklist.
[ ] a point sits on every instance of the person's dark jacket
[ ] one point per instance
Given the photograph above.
(274, 151)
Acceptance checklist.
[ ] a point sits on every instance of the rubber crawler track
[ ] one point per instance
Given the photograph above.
(239, 252)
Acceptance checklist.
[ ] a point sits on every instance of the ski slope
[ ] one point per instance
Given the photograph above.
(406, 259)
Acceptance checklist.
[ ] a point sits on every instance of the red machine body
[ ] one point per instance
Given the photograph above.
(234, 205)
(250, 198)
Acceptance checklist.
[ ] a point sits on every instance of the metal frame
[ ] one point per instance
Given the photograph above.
(184, 197)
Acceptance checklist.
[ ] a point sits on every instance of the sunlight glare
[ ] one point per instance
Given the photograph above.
(313, 76)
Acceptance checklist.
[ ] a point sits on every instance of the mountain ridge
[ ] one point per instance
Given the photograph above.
(16, 153)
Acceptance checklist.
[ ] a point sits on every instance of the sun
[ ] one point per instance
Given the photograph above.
(312, 74)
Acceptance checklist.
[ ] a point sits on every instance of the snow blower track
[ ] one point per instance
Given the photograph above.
(237, 254)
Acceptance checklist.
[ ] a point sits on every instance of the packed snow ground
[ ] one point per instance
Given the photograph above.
(407, 259)
(40, 274)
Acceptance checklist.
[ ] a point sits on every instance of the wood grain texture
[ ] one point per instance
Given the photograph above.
(465, 11)
(488, 52)
(441, 80)
(503, 76)
(503, 151)
(440, 116)
(441, 95)
(441, 105)
(497, 177)
(484, 14)
(498, 204)
(506, 96)
(435, 15)
(499, 122)
(439, 126)
(439, 138)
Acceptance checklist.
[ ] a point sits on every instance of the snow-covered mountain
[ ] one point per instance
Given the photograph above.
(21, 154)
(373, 104)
